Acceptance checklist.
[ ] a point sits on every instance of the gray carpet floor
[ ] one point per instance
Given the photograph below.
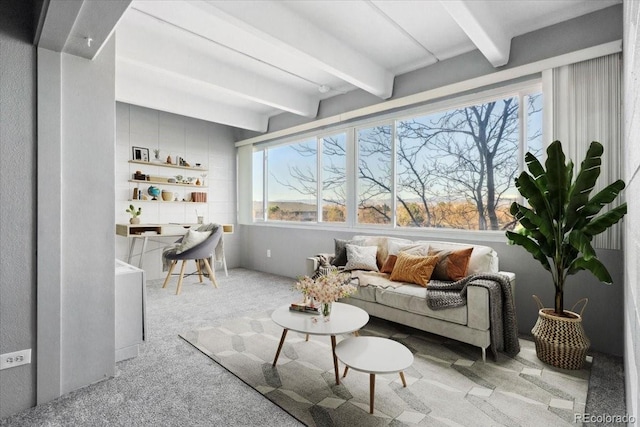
(172, 384)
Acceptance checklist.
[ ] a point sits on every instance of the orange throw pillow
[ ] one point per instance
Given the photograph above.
(452, 265)
(387, 267)
(413, 268)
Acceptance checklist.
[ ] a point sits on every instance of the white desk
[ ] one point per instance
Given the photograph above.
(146, 231)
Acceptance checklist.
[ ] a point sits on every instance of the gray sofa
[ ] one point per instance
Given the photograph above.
(407, 305)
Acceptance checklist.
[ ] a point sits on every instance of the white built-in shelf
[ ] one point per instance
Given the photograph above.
(178, 184)
(168, 165)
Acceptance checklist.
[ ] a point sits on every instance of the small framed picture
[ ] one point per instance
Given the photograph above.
(141, 154)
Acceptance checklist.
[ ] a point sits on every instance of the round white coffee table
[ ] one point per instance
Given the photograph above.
(345, 318)
(374, 355)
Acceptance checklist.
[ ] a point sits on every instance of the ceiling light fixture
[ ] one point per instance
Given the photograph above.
(324, 88)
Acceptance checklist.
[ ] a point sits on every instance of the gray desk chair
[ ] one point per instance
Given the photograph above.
(199, 253)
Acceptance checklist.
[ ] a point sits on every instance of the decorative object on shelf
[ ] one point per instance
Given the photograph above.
(198, 181)
(139, 176)
(169, 160)
(135, 213)
(154, 192)
(156, 154)
(140, 153)
(198, 165)
(167, 196)
(326, 289)
(557, 230)
(190, 179)
(199, 196)
(203, 175)
(179, 178)
(171, 180)
(187, 198)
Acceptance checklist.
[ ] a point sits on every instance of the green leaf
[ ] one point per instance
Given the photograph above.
(536, 170)
(557, 180)
(540, 223)
(606, 220)
(584, 184)
(581, 243)
(594, 266)
(531, 247)
(527, 186)
(597, 202)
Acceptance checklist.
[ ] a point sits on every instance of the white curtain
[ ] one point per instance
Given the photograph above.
(587, 106)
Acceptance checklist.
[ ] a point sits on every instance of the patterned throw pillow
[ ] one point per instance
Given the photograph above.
(413, 268)
(452, 265)
(361, 258)
(396, 247)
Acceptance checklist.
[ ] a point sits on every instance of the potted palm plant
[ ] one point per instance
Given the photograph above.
(556, 229)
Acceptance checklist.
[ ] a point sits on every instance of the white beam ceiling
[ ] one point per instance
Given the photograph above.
(288, 31)
(240, 62)
(477, 21)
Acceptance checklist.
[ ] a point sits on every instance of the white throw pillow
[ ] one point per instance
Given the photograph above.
(361, 258)
(191, 239)
(410, 248)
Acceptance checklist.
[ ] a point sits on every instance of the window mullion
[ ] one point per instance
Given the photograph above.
(319, 194)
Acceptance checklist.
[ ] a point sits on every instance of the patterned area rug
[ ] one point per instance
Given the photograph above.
(447, 385)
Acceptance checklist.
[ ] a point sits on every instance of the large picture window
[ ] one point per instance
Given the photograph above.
(450, 168)
(334, 178)
(375, 199)
(292, 183)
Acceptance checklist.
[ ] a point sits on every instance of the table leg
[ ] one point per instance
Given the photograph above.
(404, 382)
(144, 248)
(131, 249)
(346, 369)
(284, 334)
(372, 391)
(335, 359)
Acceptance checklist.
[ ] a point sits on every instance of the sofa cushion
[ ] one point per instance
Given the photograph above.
(382, 243)
(483, 258)
(413, 268)
(365, 293)
(361, 258)
(413, 298)
(452, 265)
(340, 252)
(394, 246)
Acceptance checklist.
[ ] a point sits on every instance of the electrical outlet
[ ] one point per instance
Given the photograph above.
(268, 253)
(17, 358)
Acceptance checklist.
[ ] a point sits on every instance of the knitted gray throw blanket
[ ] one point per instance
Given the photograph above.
(504, 326)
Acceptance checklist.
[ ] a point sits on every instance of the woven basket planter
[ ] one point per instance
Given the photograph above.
(560, 341)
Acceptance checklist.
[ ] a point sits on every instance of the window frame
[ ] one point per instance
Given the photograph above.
(519, 90)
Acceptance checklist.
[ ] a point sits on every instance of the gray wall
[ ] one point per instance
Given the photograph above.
(76, 191)
(88, 249)
(17, 201)
(632, 168)
(605, 302)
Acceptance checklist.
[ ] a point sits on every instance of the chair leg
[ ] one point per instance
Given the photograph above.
(199, 269)
(212, 275)
(179, 288)
(171, 267)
